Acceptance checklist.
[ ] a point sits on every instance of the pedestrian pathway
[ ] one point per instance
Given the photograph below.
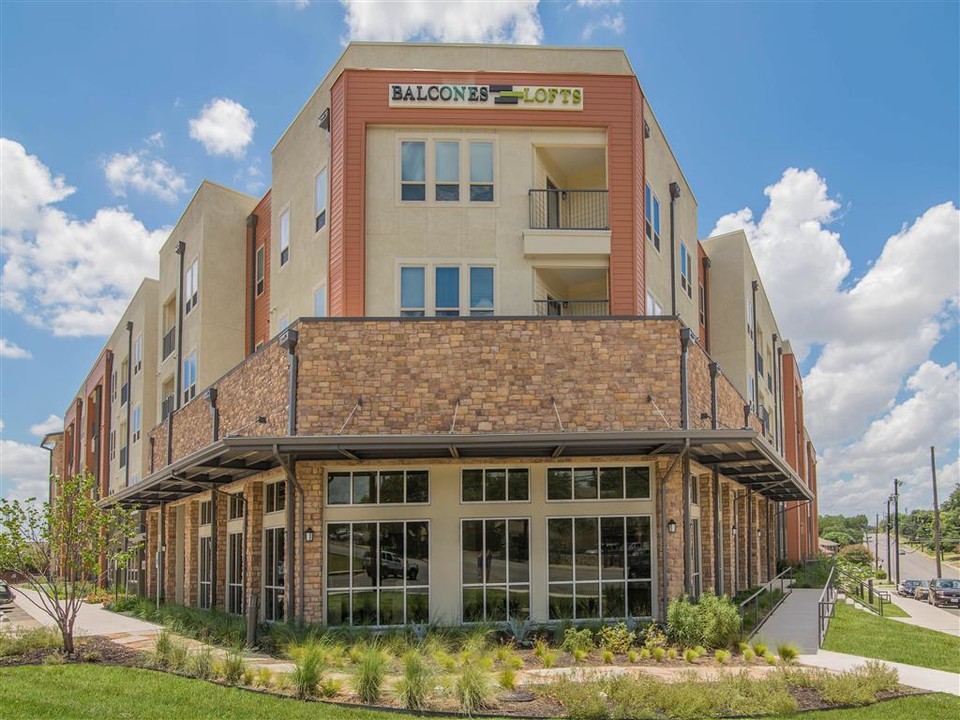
(794, 622)
(917, 677)
(923, 614)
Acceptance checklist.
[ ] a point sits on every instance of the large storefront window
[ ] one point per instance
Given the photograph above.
(235, 573)
(598, 483)
(386, 487)
(496, 569)
(273, 559)
(206, 554)
(599, 567)
(378, 573)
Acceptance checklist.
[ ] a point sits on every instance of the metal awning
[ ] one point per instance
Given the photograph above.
(741, 455)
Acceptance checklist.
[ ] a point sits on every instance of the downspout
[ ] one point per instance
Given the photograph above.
(717, 536)
(714, 371)
(181, 249)
(674, 196)
(126, 477)
(750, 540)
(755, 285)
(214, 413)
(776, 396)
(252, 331)
(664, 532)
(153, 443)
(685, 336)
(706, 304)
(294, 489)
(779, 381)
(212, 560)
(98, 438)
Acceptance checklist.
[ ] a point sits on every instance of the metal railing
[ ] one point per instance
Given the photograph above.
(826, 606)
(553, 209)
(754, 609)
(868, 596)
(166, 407)
(169, 340)
(582, 308)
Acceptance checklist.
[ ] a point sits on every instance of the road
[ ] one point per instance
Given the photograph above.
(914, 565)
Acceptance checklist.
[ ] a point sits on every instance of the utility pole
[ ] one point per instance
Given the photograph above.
(887, 532)
(876, 544)
(936, 512)
(896, 523)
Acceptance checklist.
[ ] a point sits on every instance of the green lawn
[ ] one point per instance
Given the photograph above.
(860, 633)
(64, 692)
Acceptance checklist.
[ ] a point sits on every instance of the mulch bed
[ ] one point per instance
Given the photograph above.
(89, 649)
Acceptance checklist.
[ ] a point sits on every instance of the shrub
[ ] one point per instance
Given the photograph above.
(579, 655)
(549, 659)
(370, 674)
(162, 646)
(658, 654)
(759, 648)
(721, 656)
(690, 655)
(701, 650)
(54, 658)
(788, 652)
(672, 653)
(310, 660)
(748, 655)
(13, 642)
(264, 678)
(644, 653)
(507, 679)
(232, 667)
(616, 638)
(574, 640)
(472, 689)
(711, 622)
(414, 686)
(654, 636)
(881, 574)
(857, 554)
(770, 658)
(248, 677)
(683, 625)
(633, 656)
(582, 700)
(92, 656)
(201, 664)
(607, 657)
(540, 646)
(514, 662)
(179, 655)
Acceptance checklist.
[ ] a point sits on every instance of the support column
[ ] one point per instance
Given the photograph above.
(707, 524)
(310, 477)
(253, 536)
(170, 555)
(150, 552)
(191, 575)
(218, 575)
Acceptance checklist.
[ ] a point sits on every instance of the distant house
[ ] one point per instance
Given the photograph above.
(828, 547)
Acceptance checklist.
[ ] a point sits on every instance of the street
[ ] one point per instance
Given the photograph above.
(914, 565)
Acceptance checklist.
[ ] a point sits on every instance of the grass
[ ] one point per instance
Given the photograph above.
(95, 691)
(860, 633)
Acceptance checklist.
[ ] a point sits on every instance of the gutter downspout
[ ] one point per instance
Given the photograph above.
(129, 397)
(685, 336)
(664, 533)
(293, 485)
(776, 397)
(181, 250)
(714, 372)
(674, 196)
(214, 413)
(778, 379)
(706, 304)
(755, 285)
(252, 332)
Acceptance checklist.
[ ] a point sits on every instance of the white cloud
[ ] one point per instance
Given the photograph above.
(875, 334)
(3, 426)
(250, 177)
(597, 3)
(145, 174)
(72, 277)
(12, 351)
(613, 23)
(476, 21)
(23, 471)
(297, 4)
(53, 423)
(156, 139)
(224, 127)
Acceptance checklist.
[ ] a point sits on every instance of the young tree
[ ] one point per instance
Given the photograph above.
(57, 547)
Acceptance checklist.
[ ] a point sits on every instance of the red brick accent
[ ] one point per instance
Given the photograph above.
(261, 304)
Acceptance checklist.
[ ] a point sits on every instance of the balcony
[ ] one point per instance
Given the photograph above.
(169, 342)
(556, 209)
(571, 308)
(166, 407)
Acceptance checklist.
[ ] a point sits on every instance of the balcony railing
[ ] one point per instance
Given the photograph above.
(166, 407)
(582, 308)
(569, 210)
(168, 342)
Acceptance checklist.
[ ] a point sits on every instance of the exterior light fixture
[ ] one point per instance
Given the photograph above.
(308, 534)
(733, 530)
(671, 526)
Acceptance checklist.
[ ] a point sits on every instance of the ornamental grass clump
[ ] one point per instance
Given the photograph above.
(658, 654)
(507, 679)
(748, 655)
(201, 664)
(310, 660)
(371, 671)
(760, 649)
(721, 656)
(690, 655)
(788, 652)
(582, 700)
(233, 667)
(413, 687)
(472, 689)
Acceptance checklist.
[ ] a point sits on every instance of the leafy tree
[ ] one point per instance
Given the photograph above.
(59, 547)
(840, 537)
(857, 554)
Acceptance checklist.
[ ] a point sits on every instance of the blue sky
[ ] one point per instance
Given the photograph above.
(865, 96)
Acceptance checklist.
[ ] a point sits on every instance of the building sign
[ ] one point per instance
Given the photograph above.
(523, 97)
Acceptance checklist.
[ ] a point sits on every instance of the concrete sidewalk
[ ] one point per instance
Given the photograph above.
(91, 619)
(917, 677)
(923, 614)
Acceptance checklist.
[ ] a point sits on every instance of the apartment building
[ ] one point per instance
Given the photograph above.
(465, 361)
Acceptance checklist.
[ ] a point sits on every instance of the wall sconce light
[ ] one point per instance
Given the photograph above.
(308, 534)
(671, 526)
(733, 530)
(758, 533)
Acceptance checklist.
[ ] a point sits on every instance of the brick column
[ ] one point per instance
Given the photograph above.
(673, 572)
(170, 555)
(743, 540)
(220, 574)
(191, 570)
(310, 477)
(150, 552)
(707, 522)
(253, 568)
(726, 535)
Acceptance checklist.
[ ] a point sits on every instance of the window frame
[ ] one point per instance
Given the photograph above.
(429, 267)
(465, 184)
(261, 270)
(447, 310)
(651, 480)
(190, 389)
(375, 473)
(321, 288)
(138, 354)
(686, 276)
(136, 423)
(273, 594)
(651, 213)
(484, 583)
(320, 213)
(279, 500)
(191, 286)
(232, 584)
(483, 484)
(283, 237)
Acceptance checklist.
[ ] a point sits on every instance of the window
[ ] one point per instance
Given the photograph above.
(599, 567)
(320, 302)
(135, 422)
(753, 392)
(206, 512)
(283, 322)
(654, 308)
(206, 557)
(694, 490)
(273, 573)
(495, 485)
(481, 291)
(703, 305)
(685, 270)
(412, 292)
(603, 483)
(284, 237)
(750, 316)
(447, 171)
(113, 444)
(261, 269)
(447, 299)
(652, 224)
(190, 377)
(133, 572)
(236, 507)
(383, 487)
(191, 286)
(235, 552)
(413, 179)
(481, 172)
(138, 354)
(276, 499)
(378, 573)
(320, 200)
(496, 569)
(113, 385)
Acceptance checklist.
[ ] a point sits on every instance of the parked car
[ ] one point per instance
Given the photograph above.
(944, 591)
(391, 566)
(907, 588)
(6, 593)
(922, 591)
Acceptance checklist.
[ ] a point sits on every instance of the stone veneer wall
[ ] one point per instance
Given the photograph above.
(220, 551)
(191, 560)
(310, 477)
(729, 401)
(706, 530)
(150, 552)
(253, 538)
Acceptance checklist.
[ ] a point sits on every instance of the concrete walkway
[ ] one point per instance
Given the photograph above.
(923, 614)
(795, 622)
(917, 677)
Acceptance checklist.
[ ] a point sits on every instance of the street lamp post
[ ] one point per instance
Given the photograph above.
(887, 533)
(896, 523)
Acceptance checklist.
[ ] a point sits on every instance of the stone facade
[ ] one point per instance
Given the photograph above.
(191, 575)
(253, 533)
(310, 476)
